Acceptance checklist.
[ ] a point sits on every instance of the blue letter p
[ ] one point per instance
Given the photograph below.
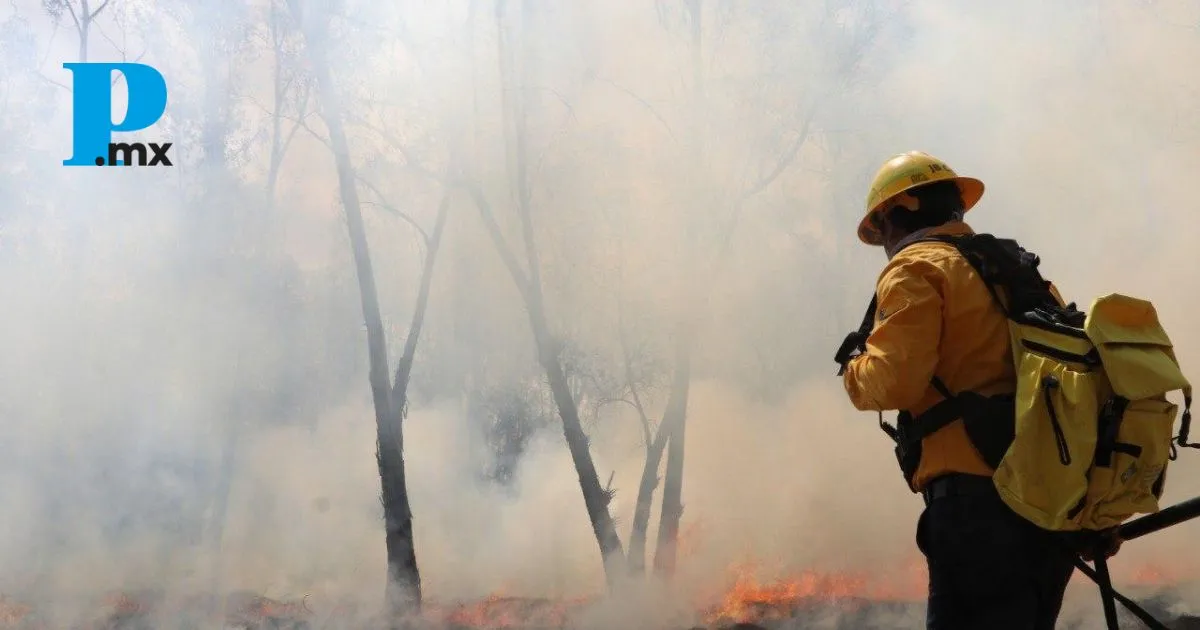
(92, 105)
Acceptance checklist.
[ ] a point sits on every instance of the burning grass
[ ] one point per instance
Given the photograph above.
(806, 599)
(750, 600)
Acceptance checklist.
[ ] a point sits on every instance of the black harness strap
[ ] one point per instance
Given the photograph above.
(910, 431)
(934, 418)
(857, 340)
(1110, 424)
(1185, 426)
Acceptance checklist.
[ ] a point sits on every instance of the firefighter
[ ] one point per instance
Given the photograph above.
(988, 566)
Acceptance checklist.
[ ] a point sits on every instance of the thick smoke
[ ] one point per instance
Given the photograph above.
(185, 391)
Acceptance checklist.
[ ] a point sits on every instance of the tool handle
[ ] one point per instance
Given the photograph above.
(1160, 520)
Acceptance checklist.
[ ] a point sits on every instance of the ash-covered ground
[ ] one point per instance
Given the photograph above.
(247, 611)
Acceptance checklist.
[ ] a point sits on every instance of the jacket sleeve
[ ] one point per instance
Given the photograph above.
(901, 353)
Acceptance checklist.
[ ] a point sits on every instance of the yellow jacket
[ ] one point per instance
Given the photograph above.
(934, 317)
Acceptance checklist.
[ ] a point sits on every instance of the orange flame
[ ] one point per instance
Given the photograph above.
(750, 600)
(1158, 576)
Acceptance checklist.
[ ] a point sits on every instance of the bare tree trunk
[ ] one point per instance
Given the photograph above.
(596, 498)
(645, 499)
(84, 25)
(280, 141)
(675, 418)
(222, 491)
(83, 37)
(215, 224)
(82, 18)
(404, 583)
(403, 589)
(675, 424)
(656, 442)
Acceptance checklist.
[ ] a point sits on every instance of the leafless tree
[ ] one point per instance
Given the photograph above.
(290, 86)
(527, 277)
(847, 45)
(389, 394)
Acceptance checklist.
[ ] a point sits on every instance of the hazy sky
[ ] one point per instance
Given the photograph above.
(156, 317)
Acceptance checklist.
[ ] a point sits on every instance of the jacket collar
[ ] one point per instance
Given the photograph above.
(953, 228)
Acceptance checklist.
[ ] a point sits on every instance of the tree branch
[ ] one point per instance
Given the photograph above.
(382, 203)
(74, 18)
(52, 81)
(630, 380)
(650, 108)
(785, 160)
(302, 106)
(49, 46)
(118, 47)
(404, 367)
(395, 143)
(781, 165)
(98, 10)
(533, 283)
(497, 236)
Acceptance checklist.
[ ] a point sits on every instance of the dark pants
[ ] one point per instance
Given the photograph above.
(988, 567)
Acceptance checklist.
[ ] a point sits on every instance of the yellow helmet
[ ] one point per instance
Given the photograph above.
(903, 173)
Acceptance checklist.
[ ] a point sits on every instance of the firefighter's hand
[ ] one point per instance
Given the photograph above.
(1109, 544)
(853, 345)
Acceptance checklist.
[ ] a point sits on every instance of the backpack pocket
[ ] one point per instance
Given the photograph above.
(1044, 474)
(1137, 354)
(1131, 460)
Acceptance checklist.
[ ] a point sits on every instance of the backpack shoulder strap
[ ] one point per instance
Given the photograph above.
(1012, 276)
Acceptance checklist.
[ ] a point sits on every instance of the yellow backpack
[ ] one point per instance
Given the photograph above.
(1083, 444)
(1093, 425)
